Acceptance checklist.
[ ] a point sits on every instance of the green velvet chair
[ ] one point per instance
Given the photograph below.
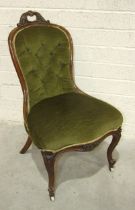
(58, 116)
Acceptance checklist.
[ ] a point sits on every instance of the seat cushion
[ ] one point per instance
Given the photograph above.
(71, 119)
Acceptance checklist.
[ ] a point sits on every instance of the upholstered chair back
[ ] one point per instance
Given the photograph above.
(44, 53)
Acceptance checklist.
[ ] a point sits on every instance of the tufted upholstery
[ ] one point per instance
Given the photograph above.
(58, 116)
(44, 56)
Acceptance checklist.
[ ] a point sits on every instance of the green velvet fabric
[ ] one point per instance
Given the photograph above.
(70, 119)
(58, 117)
(44, 57)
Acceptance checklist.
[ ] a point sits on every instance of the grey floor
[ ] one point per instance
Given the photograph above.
(83, 179)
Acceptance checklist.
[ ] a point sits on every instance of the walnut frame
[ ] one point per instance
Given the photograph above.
(50, 156)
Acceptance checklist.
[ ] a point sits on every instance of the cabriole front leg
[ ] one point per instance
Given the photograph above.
(49, 160)
(116, 137)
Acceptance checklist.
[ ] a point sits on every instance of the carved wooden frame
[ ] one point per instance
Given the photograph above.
(50, 156)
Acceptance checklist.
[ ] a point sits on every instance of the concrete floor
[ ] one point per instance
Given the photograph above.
(83, 179)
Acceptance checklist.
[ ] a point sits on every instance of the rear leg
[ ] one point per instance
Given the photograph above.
(27, 145)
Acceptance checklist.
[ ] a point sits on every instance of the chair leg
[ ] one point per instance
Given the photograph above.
(27, 145)
(115, 140)
(49, 160)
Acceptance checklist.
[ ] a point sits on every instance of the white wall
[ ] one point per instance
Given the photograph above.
(103, 32)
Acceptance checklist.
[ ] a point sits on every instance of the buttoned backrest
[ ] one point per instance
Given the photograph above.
(44, 55)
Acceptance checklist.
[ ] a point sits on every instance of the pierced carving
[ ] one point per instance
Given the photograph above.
(24, 18)
(91, 146)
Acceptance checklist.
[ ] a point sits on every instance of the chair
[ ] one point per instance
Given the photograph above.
(58, 116)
